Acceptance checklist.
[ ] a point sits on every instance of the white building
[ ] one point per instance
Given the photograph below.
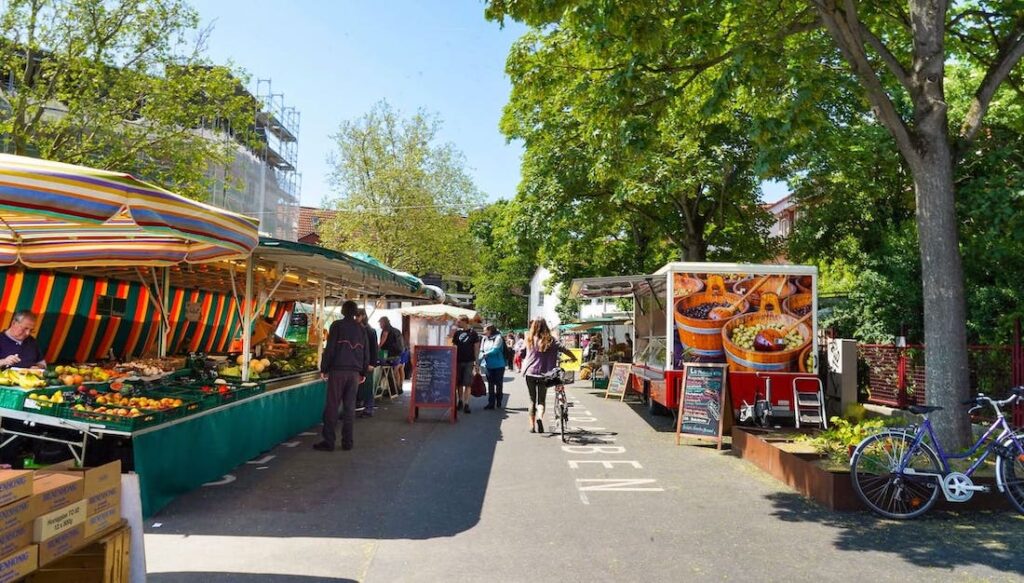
(544, 304)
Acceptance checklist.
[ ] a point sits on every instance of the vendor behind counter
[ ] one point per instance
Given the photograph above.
(17, 345)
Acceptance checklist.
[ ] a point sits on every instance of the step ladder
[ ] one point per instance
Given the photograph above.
(809, 405)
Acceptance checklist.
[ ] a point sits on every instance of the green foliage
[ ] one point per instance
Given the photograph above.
(842, 434)
(402, 197)
(122, 86)
(507, 262)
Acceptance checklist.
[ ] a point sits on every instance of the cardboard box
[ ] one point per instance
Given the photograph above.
(98, 479)
(15, 485)
(14, 538)
(18, 564)
(103, 501)
(15, 514)
(53, 491)
(64, 543)
(50, 525)
(102, 521)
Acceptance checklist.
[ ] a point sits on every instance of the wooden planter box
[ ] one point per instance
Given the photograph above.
(831, 489)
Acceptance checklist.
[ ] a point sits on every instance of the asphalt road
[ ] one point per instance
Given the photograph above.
(485, 500)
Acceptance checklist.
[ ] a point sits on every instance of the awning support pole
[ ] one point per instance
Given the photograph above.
(320, 319)
(165, 324)
(247, 322)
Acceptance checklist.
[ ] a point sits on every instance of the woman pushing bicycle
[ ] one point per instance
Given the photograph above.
(541, 357)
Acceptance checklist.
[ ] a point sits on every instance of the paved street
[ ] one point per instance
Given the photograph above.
(487, 500)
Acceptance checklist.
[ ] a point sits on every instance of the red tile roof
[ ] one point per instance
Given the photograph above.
(307, 232)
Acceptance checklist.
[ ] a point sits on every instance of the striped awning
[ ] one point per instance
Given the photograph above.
(60, 215)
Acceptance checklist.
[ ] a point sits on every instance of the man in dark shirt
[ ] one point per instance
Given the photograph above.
(371, 337)
(17, 345)
(467, 348)
(345, 362)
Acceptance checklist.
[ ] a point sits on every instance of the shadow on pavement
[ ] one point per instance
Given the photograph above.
(221, 577)
(944, 540)
(402, 481)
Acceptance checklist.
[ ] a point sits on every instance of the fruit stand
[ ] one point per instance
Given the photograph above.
(178, 421)
(720, 313)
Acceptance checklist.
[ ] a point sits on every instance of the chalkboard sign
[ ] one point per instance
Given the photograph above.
(704, 408)
(618, 380)
(433, 380)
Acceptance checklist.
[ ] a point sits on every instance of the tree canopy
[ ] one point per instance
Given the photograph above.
(402, 196)
(124, 86)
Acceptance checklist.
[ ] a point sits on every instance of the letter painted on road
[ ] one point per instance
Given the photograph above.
(588, 449)
(607, 464)
(613, 485)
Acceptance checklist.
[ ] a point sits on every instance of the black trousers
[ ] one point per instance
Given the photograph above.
(538, 394)
(495, 386)
(342, 386)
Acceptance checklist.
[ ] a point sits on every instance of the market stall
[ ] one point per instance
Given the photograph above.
(715, 313)
(431, 324)
(140, 271)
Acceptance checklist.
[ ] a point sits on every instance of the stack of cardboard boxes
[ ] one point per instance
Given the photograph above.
(52, 512)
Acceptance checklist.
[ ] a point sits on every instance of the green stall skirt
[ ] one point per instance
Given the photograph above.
(182, 456)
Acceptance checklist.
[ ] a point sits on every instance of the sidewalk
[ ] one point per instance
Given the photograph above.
(485, 500)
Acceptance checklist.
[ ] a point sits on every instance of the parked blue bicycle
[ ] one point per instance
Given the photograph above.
(897, 474)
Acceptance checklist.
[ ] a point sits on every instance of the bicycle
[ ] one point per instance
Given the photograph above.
(562, 403)
(898, 475)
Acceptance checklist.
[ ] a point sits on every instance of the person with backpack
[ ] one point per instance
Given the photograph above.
(541, 358)
(492, 357)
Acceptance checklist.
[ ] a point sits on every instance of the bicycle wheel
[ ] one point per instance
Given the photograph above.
(889, 493)
(563, 418)
(1011, 472)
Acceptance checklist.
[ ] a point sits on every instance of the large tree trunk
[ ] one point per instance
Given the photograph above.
(945, 317)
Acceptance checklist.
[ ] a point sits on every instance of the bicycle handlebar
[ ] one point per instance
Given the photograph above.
(980, 400)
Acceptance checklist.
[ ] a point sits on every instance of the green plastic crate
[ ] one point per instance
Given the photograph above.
(147, 419)
(600, 383)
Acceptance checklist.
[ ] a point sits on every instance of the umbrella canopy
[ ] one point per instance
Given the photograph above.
(60, 215)
(439, 311)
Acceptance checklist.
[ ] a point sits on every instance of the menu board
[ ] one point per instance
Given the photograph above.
(704, 409)
(618, 381)
(433, 380)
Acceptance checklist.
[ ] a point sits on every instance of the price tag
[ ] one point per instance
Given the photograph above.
(192, 311)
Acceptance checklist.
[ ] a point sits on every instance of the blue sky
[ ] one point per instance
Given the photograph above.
(333, 59)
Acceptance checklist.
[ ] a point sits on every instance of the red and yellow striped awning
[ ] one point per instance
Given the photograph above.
(60, 215)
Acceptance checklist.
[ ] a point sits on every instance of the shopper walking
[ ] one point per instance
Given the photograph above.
(541, 357)
(371, 343)
(492, 357)
(510, 349)
(467, 345)
(520, 350)
(345, 363)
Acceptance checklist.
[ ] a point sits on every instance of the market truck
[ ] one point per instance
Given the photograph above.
(712, 313)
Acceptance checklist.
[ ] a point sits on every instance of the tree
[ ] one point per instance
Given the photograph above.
(687, 175)
(507, 261)
(896, 54)
(402, 197)
(118, 86)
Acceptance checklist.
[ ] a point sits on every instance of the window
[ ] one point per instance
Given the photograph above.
(315, 221)
(111, 306)
(540, 298)
(394, 305)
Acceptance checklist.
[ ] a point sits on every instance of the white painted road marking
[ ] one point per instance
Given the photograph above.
(291, 443)
(227, 479)
(262, 460)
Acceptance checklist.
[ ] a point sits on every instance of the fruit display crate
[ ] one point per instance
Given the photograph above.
(210, 400)
(108, 420)
(13, 398)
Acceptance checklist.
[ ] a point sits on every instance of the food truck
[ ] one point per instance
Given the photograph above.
(728, 313)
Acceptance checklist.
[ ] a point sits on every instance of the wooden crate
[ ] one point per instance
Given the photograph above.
(108, 560)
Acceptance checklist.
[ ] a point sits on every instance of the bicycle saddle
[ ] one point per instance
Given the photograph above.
(923, 409)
